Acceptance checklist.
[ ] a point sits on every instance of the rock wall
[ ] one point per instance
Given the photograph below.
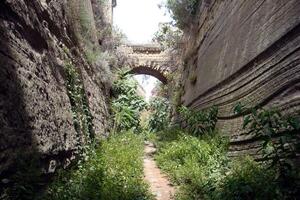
(37, 39)
(243, 51)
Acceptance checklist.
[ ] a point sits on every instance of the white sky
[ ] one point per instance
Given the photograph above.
(138, 20)
(148, 83)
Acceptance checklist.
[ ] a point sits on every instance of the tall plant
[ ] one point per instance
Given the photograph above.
(199, 122)
(128, 104)
(160, 110)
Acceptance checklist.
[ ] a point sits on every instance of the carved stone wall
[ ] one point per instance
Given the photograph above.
(35, 110)
(243, 51)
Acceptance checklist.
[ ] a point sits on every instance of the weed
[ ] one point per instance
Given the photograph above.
(277, 133)
(114, 171)
(201, 169)
(199, 122)
(196, 165)
(248, 180)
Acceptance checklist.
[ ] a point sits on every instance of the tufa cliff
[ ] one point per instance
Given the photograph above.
(53, 95)
(242, 51)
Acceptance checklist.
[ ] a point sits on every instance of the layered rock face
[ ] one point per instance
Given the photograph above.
(243, 51)
(37, 41)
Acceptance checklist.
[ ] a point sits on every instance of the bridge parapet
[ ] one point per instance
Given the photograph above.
(148, 59)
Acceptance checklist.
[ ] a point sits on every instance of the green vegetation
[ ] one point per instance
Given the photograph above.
(197, 161)
(196, 165)
(247, 179)
(113, 171)
(267, 124)
(280, 136)
(82, 117)
(168, 36)
(202, 170)
(199, 123)
(182, 11)
(128, 105)
(85, 19)
(99, 41)
(176, 96)
(159, 117)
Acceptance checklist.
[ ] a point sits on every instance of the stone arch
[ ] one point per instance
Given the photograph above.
(148, 59)
(149, 71)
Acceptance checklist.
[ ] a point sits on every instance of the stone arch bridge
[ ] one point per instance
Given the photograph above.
(149, 59)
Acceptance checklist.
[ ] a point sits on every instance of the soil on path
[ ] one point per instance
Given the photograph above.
(159, 183)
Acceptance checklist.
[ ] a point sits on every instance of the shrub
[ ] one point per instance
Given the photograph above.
(128, 105)
(199, 122)
(159, 117)
(182, 11)
(280, 138)
(114, 171)
(201, 169)
(266, 124)
(249, 180)
(168, 36)
(197, 166)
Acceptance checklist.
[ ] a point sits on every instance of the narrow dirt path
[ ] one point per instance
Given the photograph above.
(159, 183)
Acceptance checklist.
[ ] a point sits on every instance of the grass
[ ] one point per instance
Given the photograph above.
(202, 170)
(114, 171)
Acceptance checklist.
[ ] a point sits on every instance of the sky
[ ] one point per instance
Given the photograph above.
(138, 20)
(148, 83)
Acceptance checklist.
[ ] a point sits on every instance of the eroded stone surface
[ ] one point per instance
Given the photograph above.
(243, 51)
(35, 110)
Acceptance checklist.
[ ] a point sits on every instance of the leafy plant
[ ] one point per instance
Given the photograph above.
(159, 117)
(199, 122)
(182, 11)
(196, 165)
(168, 36)
(201, 169)
(82, 117)
(277, 133)
(128, 104)
(248, 180)
(113, 171)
